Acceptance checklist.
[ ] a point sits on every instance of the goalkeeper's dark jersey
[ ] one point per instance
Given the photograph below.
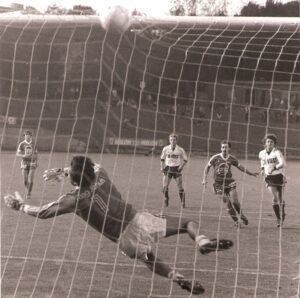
(100, 205)
(109, 213)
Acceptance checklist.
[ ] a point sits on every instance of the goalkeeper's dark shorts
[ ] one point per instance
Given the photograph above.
(224, 187)
(172, 172)
(277, 180)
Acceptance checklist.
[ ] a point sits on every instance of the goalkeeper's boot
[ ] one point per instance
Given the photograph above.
(244, 219)
(215, 245)
(193, 287)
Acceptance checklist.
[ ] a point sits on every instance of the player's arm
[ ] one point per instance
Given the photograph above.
(19, 151)
(262, 164)
(162, 160)
(243, 169)
(56, 174)
(184, 157)
(205, 173)
(281, 161)
(65, 204)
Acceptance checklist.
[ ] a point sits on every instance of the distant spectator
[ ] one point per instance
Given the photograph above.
(247, 110)
(115, 99)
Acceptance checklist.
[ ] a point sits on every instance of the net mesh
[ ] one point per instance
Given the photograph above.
(82, 89)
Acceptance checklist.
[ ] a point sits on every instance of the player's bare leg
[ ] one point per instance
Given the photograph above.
(166, 182)
(182, 225)
(237, 206)
(231, 210)
(30, 183)
(276, 204)
(161, 268)
(25, 174)
(181, 190)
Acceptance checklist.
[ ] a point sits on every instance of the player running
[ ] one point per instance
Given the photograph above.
(27, 150)
(224, 184)
(272, 163)
(96, 200)
(172, 160)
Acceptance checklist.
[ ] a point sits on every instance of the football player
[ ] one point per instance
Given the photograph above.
(173, 158)
(272, 163)
(224, 184)
(96, 200)
(27, 150)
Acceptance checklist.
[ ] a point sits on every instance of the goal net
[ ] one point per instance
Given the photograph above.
(83, 90)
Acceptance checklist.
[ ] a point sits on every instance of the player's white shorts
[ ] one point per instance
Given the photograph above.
(144, 229)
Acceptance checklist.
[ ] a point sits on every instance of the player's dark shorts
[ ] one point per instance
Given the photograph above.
(224, 187)
(275, 180)
(28, 164)
(172, 172)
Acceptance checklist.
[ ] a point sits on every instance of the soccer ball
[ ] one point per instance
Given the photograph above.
(116, 19)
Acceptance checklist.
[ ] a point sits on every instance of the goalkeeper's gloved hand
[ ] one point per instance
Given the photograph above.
(56, 174)
(14, 202)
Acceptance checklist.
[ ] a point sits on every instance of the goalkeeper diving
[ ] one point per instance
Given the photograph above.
(96, 200)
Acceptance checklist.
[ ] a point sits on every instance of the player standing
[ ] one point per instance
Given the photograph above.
(272, 163)
(97, 201)
(27, 150)
(172, 160)
(224, 184)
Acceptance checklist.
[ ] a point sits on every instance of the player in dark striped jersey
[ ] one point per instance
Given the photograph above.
(27, 150)
(224, 184)
(272, 164)
(96, 200)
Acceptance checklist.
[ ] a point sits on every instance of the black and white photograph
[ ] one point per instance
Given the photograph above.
(150, 148)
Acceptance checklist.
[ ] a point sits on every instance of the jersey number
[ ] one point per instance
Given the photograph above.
(28, 150)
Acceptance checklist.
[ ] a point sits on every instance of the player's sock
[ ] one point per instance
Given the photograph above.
(282, 204)
(30, 185)
(166, 195)
(276, 209)
(182, 197)
(283, 211)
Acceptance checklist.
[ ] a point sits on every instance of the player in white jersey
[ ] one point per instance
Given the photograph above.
(272, 163)
(224, 184)
(173, 158)
(27, 150)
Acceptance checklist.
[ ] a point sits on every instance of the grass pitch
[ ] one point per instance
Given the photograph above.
(63, 257)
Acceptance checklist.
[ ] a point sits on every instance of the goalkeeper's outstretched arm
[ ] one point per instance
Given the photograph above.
(57, 174)
(65, 204)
